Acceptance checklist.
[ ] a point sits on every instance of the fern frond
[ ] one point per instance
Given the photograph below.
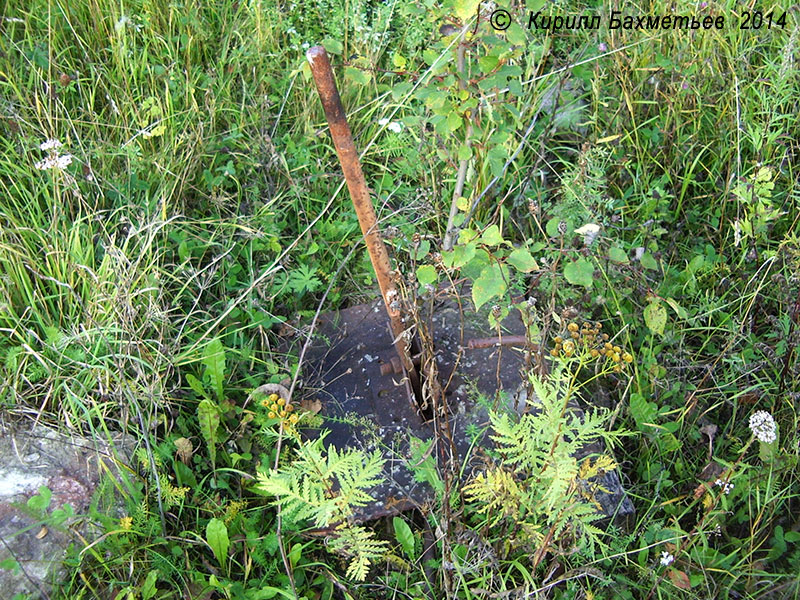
(358, 477)
(496, 492)
(360, 543)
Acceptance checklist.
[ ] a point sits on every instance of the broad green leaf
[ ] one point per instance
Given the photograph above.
(217, 538)
(426, 274)
(462, 204)
(332, 46)
(454, 121)
(464, 9)
(473, 269)
(551, 227)
(464, 152)
(459, 256)
(401, 89)
(492, 236)
(405, 537)
(522, 260)
(497, 156)
(208, 417)
(655, 317)
(357, 75)
(696, 264)
(488, 285)
(489, 62)
(579, 272)
(617, 255)
(516, 35)
(648, 262)
(214, 360)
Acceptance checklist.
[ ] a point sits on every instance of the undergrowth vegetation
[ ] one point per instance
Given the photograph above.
(157, 261)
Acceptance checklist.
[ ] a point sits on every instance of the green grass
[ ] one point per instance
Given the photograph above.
(203, 206)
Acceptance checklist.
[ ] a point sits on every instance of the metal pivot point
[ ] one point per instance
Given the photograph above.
(357, 186)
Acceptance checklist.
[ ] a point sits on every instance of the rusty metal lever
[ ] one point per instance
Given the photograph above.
(357, 186)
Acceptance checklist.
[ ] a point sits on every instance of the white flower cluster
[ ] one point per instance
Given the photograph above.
(763, 426)
(394, 126)
(666, 558)
(54, 160)
(51, 144)
(726, 487)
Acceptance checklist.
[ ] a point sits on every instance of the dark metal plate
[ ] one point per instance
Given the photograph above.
(363, 408)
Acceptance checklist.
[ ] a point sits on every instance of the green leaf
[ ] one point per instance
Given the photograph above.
(401, 89)
(462, 204)
(579, 272)
(648, 262)
(644, 413)
(10, 564)
(464, 9)
(522, 260)
(655, 317)
(41, 501)
(195, 384)
(214, 360)
(617, 255)
(492, 236)
(426, 274)
(149, 585)
(768, 452)
(422, 250)
(357, 75)
(488, 63)
(217, 538)
(454, 121)
(679, 310)
(516, 35)
(459, 255)
(332, 46)
(405, 537)
(208, 417)
(489, 284)
(464, 152)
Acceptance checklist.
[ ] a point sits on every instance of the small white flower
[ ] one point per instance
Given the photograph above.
(763, 426)
(51, 144)
(63, 161)
(395, 126)
(47, 163)
(383, 122)
(726, 487)
(666, 558)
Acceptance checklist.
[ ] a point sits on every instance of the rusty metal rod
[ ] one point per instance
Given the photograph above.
(357, 186)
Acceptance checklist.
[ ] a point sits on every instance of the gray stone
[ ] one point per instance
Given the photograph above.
(70, 467)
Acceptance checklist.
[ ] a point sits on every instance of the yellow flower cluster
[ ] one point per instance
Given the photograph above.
(279, 408)
(590, 338)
